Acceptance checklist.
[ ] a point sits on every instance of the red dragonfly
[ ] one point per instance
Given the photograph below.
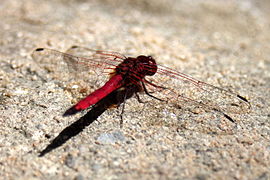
(156, 81)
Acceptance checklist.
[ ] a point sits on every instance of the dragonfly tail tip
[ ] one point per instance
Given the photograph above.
(70, 111)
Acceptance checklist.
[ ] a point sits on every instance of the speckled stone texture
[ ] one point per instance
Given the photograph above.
(225, 43)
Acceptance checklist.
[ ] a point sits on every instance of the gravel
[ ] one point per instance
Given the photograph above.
(225, 43)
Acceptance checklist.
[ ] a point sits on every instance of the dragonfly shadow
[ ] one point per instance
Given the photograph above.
(115, 98)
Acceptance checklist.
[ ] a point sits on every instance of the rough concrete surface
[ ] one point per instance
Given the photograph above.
(225, 43)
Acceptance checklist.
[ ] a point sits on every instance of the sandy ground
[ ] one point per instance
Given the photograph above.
(225, 43)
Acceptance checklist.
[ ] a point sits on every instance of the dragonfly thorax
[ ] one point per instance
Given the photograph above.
(137, 68)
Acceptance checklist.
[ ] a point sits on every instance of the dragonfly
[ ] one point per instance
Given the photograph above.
(114, 71)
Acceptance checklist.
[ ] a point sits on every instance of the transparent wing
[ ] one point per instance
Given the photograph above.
(188, 88)
(213, 106)
(76, 61)
(77, 66)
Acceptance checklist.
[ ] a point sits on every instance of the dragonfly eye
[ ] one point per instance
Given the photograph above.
(152, 69)
(150, 66)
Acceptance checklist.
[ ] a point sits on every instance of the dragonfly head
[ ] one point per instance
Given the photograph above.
(149, 65)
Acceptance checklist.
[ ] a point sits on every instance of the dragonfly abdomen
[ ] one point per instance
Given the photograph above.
(114, 83)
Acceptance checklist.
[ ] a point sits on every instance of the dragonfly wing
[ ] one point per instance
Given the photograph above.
(77, 66)
(191, 95)
(186, 88)
(96, 54)
(77, 63)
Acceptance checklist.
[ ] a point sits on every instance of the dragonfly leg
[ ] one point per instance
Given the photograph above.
(152, 84)
(138, 98)
(146, 92)
(123, 110)
(121, 120)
